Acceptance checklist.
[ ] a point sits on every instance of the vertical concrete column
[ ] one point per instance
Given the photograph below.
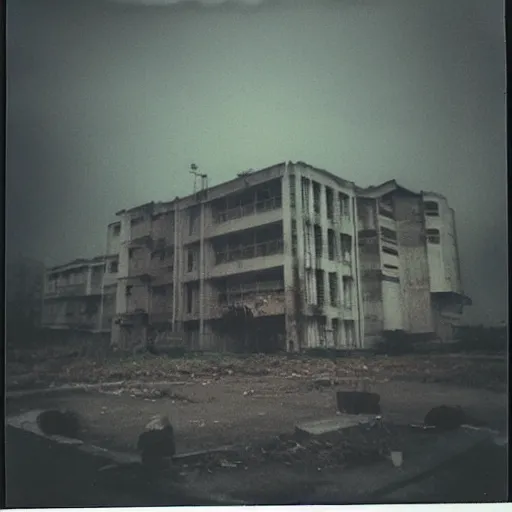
(292, 336)
(325, 245)
(122, 274)
(302, 285)
(88, 280)
(356, 272)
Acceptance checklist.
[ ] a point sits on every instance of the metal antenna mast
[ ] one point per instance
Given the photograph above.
(201, 196)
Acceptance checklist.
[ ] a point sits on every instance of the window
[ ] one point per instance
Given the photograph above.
(128, 290)
(329, 197)
(131, 253)
(135, 221)
(431, 208)
(305, 194)
(294, 238)
(318, 241)
(331, 244)
(320, 289)
(433, 236)
(190, 260)
(160, 291)
(388, 234)
(391, 267)
(113, 266)
(346, 247)
(333, 288)
(344, 202)
(316, 197)
(117, 229)
(190, 297)
(347, 291)
(292, 191)
(389, 250)
(193, 219)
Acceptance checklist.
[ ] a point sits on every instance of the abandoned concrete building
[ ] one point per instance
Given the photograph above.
(77, 295)
(286, 258)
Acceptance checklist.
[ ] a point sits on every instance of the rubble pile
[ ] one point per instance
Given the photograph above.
(321, 372)
(354, 446)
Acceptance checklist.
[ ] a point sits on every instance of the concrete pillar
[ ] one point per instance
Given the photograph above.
(88, 280)
(300, 260)
(292, 334)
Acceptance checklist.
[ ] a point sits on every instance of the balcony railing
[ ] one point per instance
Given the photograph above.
(251, 251)
(70, 290)
(245, 210)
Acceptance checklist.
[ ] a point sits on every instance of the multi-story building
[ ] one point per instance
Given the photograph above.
(408, 249)
(78, 295)
(289, 257)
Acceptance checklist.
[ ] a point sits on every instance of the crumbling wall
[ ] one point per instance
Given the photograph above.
(370, 268)
(414, 271)
(137, 297)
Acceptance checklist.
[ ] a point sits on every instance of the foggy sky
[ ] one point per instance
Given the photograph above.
(108, 103)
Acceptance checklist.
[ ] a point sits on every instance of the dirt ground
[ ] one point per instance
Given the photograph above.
(238, 410)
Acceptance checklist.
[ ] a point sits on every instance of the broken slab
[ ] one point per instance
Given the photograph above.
(328, 425)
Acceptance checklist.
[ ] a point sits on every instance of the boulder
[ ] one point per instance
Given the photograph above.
(157, 443)
(358, 402)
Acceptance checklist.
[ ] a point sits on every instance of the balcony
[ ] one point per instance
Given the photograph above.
(248, 258)
(245, 210)
(70, 290)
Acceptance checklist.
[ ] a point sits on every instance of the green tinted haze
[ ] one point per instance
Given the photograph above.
(110, 101)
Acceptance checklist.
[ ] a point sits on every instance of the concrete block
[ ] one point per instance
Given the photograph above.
(326, 426)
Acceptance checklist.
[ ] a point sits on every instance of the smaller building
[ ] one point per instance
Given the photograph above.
(80, 295)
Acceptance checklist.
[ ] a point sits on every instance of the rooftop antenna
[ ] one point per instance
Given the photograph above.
(200, 179)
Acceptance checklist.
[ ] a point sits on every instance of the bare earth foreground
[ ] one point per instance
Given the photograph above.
(214, 401)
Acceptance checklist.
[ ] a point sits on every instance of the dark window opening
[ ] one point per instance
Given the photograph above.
(190, 261)
(316, 197)
(333, 288)
(431, 208)
(346, 247)
(318, 241)
(388, 234)
(113, 267)
(190, 297)
(331, 244)
(128, 290)
(329, 197)
(117, 229)
(344, 202)
(320, 289)
(433, 236)
(389, 250)
(392, 267)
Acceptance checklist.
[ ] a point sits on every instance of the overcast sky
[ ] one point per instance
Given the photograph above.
(109, 101)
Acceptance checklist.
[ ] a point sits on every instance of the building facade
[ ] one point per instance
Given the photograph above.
(286, 258)
(77, 296)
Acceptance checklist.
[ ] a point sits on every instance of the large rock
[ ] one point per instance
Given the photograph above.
(358, 402)
(157, 443)
(445, 417)
(59, 423)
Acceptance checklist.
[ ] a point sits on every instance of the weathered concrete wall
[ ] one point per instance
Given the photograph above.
(443, 254)
(414, 269)
(322, 211)
(370, 265)
(113, 238)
